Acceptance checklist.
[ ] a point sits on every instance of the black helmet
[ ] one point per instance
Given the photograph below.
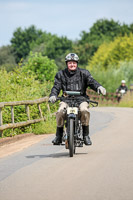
(72, 57)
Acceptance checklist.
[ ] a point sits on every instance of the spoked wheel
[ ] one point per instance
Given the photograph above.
(71, 138)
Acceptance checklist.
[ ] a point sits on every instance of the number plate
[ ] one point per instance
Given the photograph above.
(73, 110)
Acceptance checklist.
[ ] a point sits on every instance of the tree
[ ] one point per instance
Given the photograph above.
(7, 59)
(22, 39)
(119, 50)
(39, 44)
(103, 30)
(105, 27)
(53, 47)
(84, 52)
(57, 46)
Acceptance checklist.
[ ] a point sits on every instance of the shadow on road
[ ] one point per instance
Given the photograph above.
(55, 155)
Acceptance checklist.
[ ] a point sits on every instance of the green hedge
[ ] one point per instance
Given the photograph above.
(17, 86)
(111, 77)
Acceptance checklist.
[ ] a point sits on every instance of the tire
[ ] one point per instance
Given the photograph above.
(71, 138)
(74, 150)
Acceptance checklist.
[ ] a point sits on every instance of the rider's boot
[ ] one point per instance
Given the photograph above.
(86, 137)
(58, 139)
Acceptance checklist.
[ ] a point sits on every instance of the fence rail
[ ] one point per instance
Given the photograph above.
(24, 123)
(93, 95)
(109, 98)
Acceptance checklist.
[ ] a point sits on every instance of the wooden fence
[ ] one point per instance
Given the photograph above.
(24, 123)
(109, 98)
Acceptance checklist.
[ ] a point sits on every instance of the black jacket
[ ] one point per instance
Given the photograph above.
(77, 81)
(122, 88)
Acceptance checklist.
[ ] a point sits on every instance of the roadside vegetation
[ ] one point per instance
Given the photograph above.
(29, 64)
(127, 100)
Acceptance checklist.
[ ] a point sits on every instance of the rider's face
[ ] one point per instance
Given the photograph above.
(72, 65)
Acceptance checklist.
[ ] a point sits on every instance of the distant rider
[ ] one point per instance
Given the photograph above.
(73, 78)
(121, 90)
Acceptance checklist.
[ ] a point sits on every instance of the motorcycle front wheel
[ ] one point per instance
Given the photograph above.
(71, 138)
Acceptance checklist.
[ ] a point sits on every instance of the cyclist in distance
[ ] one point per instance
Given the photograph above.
(73, 78)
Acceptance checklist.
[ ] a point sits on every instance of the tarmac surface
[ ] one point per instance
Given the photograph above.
(34, 169)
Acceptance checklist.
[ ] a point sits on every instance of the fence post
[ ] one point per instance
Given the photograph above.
(40, 111)
(12, 114)
(28, 115)
(28, 111)
(48, 108)
(1, 122)
(12, 117)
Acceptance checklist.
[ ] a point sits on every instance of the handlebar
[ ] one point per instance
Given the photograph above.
(93, 103)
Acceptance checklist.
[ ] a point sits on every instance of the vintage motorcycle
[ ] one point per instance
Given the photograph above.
(73, 133)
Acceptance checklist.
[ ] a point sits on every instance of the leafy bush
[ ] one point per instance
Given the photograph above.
(127, 69)
(19, 85)
(127, 100)
(44, 68)
(111, 78)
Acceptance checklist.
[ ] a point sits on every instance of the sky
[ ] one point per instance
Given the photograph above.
(62, 17)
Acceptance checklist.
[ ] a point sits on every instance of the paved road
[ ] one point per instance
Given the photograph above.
(102, 171)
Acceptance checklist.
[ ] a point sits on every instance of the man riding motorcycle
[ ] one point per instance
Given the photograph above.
(73, 78)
